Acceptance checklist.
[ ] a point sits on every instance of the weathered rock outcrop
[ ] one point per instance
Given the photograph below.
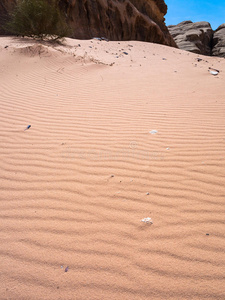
(199, 38)
(219, 41)
(119, 19)
(193, 37)
(141, 20)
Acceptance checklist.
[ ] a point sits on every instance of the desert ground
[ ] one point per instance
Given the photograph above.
(120, 132)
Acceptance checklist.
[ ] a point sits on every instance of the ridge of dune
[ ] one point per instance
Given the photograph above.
(76, 185)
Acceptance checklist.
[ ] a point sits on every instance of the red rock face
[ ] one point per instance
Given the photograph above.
(141, 20)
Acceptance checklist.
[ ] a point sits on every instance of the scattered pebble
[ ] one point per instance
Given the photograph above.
(112, 175)
(67, 269)
(147, 193)
(153, 131)
(207, 233)
(100, 39)
(29, 126)
(213, 71)
(104, 39)
(168, 148)
(147, 220)
(125, 53)
(6, 46)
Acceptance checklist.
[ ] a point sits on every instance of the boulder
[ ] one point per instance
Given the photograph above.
(194, 37)
(219, 41)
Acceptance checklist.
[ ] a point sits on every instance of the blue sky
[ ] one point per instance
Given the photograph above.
(212, 11)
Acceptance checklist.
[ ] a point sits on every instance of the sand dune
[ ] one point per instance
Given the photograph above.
(76, 185)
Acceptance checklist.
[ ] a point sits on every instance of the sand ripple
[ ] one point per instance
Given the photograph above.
(76, 185)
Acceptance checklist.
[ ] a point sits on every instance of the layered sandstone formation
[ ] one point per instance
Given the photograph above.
(219, 41)
(199, 38)
(193, 37)
(141, 20)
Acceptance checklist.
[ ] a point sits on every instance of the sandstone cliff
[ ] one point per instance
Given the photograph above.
(199, 38)
(219, 41)
(141, 20)
(193, 37)
(119, 20)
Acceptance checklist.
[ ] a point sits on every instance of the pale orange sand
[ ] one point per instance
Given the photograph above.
(74, 186)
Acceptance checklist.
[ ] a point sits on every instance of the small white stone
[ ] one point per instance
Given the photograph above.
(153, 131)
(147, 220)
(214, 72)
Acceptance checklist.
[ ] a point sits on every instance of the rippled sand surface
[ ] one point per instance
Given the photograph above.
(120, 131)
